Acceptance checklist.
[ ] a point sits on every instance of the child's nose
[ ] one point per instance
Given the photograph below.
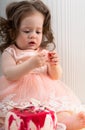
(33, 34)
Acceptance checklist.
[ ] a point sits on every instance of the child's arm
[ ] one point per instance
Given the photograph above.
(55, 71)
(54, 68)
(14, 71)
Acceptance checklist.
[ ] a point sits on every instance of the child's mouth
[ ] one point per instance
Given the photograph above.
(31, 43)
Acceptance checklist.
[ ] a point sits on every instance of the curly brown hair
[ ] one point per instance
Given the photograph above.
(15, 11)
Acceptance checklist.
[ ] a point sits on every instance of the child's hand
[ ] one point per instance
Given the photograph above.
(38, 60)
(53, 58)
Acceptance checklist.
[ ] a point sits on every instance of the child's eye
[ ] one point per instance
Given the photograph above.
(38, 32)
(26, 31)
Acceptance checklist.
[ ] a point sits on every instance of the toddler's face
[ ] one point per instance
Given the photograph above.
(31, 31)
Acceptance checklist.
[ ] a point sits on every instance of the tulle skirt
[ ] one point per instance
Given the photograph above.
(38, 86)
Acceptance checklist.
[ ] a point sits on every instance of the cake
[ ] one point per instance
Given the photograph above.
(31, 118)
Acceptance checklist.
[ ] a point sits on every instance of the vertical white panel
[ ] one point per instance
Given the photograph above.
(71, 43)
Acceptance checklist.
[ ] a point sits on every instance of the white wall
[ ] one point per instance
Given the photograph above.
(71, 43)
(68, 22)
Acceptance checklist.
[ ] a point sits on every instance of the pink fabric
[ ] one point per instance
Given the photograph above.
(36, 84)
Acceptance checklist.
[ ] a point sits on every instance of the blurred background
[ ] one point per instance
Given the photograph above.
(68, 23)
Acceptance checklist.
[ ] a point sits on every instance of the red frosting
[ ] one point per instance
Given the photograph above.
(36, 116)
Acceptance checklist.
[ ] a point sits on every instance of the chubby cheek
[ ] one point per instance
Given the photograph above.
(21, 41)
(24, 40)
(40, 39)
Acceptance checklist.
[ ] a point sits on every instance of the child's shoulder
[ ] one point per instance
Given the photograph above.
(11, 48)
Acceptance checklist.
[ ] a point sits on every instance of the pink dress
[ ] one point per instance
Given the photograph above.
(34, 85)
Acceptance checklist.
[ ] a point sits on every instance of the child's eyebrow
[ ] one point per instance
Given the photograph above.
(39, 28)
